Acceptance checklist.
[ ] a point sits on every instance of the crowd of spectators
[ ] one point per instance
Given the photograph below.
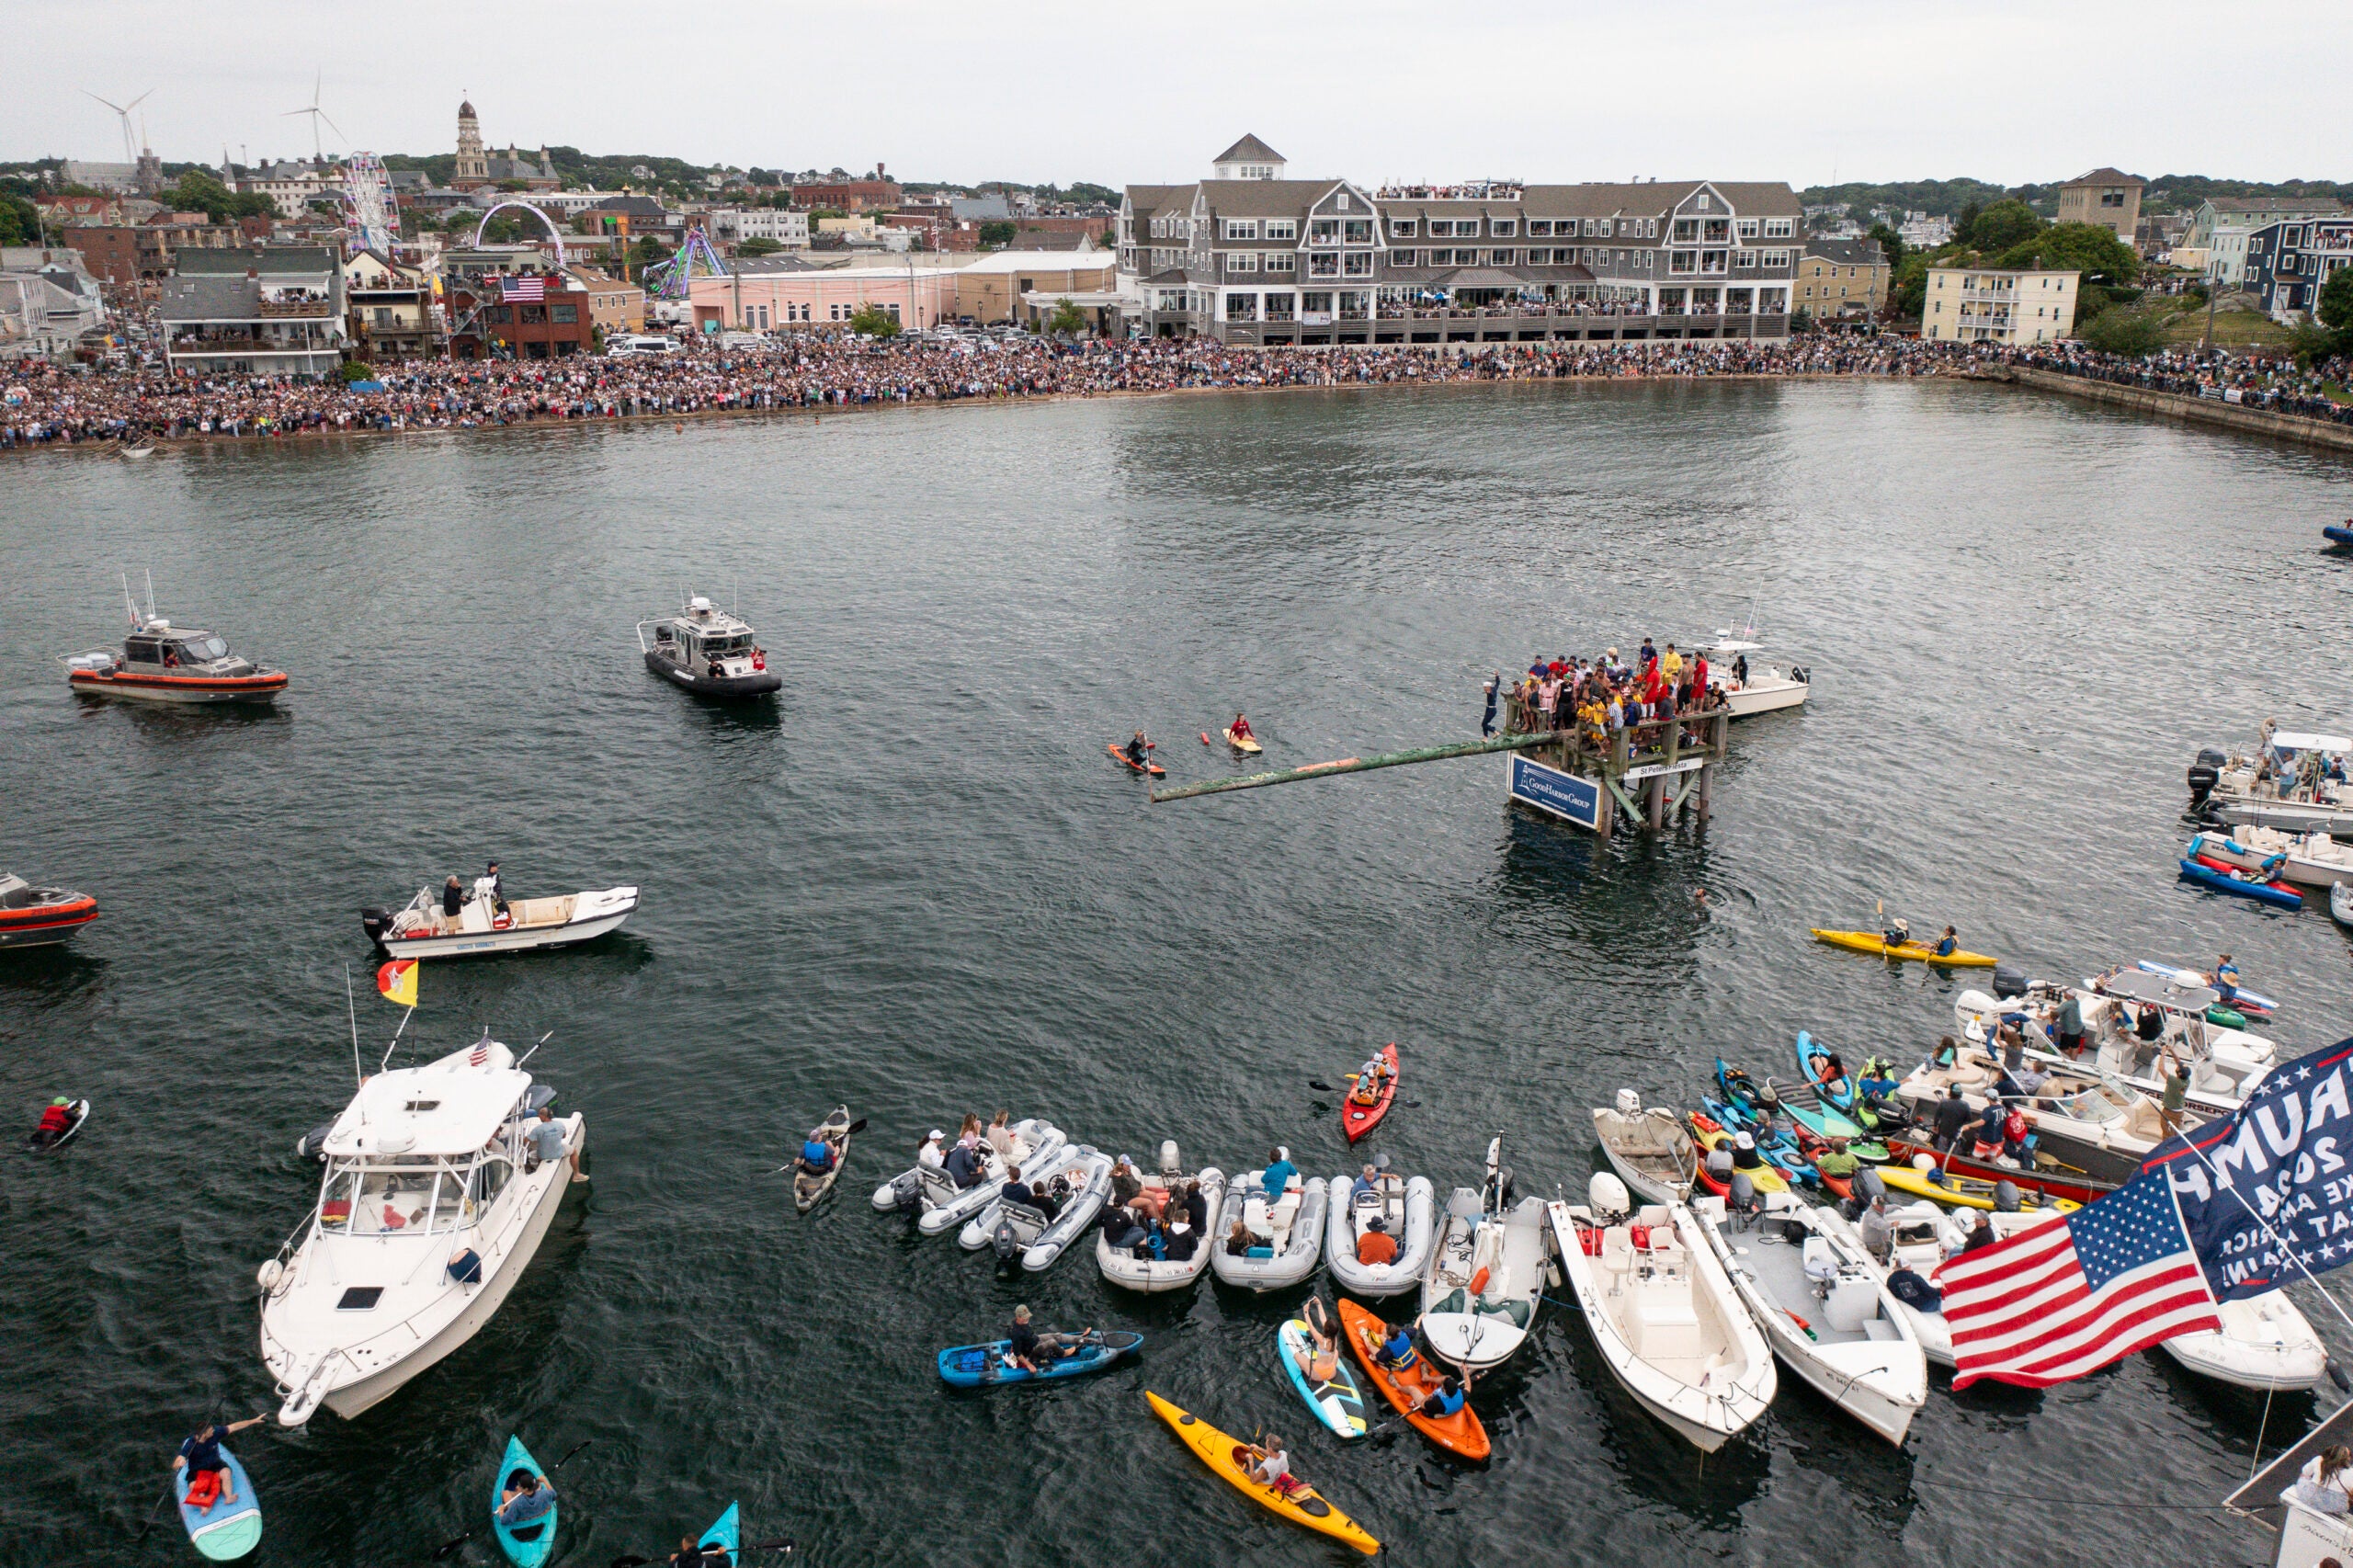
(2277, 385)
(42, 405)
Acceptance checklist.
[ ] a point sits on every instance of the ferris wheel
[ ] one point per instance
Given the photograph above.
(371, 214)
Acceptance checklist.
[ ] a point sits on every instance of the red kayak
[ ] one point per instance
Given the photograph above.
(1358, 1118)
(1149, 767)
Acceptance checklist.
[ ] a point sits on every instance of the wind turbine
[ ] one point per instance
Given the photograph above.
(123, 112)
(318, 153)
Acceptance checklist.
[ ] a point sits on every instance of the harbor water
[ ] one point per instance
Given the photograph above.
(916, 884)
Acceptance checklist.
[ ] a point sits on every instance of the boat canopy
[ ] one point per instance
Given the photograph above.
(1727, 643)
(447, 1108)
(2308, 740)
(2140, 985)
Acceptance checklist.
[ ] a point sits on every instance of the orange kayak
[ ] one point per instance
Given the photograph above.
(1457, 1434)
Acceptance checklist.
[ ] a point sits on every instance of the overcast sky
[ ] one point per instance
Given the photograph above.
(1115, 91)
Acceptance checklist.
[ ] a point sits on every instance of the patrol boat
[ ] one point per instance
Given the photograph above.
(163, 663)
(708, 650)
(432, 1206)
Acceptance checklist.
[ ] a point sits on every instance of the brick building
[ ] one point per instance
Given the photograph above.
(126, 255)
(849, 195)
(497, 312)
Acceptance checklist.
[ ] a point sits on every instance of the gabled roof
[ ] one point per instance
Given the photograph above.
(2105, 175)
(1249, 150)
(265, 259)
(1265, 197)
(1847, 253)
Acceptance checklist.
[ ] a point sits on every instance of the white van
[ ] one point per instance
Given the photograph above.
(625, 346)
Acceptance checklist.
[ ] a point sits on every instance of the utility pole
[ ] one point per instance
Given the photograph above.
(2214, 287)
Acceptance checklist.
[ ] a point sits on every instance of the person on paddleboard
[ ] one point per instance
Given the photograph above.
(1137, 749)
(209, 1478)
(55, 1121)
(1242, 731)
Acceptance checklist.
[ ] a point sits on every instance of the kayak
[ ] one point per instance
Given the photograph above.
(1798, 1102)
(2218, 877)
(1148, 765)
(1811, 1057)
(1707, 1132)
(228, 1530)
(1357, 1120)
(1966, 1192)
(1228, 1457)
(727, 1535)
(1336, 1403)
(2062, 1181)
(80, 1111)
(1873, 942)
(526, 1545)
(984, 1365)
(1457, 1434)
(1244, 744)
(1779, 1146)
(2248, 1000)
(2336, 535)
(807, 1189)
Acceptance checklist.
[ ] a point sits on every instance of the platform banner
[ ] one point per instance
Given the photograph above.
(2267, 1192)
(1564, 795)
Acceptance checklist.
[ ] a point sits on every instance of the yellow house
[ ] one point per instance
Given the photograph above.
(1984, 304)
(614, 304)
(1839, 279)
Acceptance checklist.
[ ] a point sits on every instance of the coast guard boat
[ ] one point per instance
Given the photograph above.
(35, 917)
(163, 663)
(432, 1206)
(708, 650)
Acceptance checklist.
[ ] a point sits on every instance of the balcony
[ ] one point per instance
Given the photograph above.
(289, 308)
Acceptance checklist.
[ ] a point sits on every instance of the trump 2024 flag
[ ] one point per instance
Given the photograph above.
(2071, 1295)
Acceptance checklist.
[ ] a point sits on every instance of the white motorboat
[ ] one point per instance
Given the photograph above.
(1153, 1275)
(431, 1207)
(1286, 1236)
(1924, 1236)
(2224, 1063)
(1650, 1150)
(1664, 1313)
(2308, 859)
(2295, 783)
(707, 650)
(1486, 1274)
(2265, 1344)
(929, 1190)
(1748, 685)
(2092, 1122)
(487, 921)
(1406, 1209)
(1824, 1309)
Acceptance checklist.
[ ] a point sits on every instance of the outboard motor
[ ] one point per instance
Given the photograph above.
(1868, 1185)
(2204, 774)
(2008, 982)
(1629, 1103)
(375, 921)
(1171, 1167)
(313, 1145)
(2006, 1198)
(1017, 1227)
(1742, 1199)
(1504, 1192)
(906, 1192)
(1608, 1197)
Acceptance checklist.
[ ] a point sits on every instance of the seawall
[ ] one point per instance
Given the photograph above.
(2174, 406)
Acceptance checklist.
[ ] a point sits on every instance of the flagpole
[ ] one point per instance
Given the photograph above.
(358, 1073)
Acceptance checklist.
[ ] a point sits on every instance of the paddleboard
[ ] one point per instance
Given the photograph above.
(1873, 942)
(2180, 976)
(1302, 1505)
(1336, 1403)
(1149, 767)
(1357, 1120)
(528, 1544)
(228, 1530)
(1244, 744)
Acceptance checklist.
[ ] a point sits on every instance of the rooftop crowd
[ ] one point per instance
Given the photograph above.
(43, 405)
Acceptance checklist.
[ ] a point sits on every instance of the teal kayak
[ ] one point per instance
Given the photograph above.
(528, 1544)
(727, 1535)
(225, 1531)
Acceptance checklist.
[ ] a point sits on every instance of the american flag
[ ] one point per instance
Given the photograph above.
(2068, 1297)
(480, 1054)
(530, 290)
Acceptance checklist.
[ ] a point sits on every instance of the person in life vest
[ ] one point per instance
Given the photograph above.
(820, 1150)
(1950, 943)
(1396, 1352)
(1446, 1399)
(55, 1121)
(1137, 748)
(1369, 1078)
(209, 1481)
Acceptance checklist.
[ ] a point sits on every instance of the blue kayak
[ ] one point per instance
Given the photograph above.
(1811, 1055)
(1779, 1147)
(2221, 881)
(727, 1535)
(227, 1530)
(2338, 535)
(526, 1545)
(984, 1365)
(1337, 1403)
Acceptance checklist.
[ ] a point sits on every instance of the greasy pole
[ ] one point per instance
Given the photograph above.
(1359, 764)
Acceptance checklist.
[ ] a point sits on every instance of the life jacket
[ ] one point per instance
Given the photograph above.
(56, 1118)
(817, 1154)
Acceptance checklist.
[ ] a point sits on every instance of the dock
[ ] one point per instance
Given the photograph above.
(1649, 770)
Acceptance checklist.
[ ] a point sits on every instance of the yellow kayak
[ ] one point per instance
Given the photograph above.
(1958, 1191)
(1302, 1506)
(1708, 1134)
(1873, 942)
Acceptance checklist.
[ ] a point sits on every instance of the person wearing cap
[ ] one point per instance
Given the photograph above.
(1745, 1156)
(55, 1121)
(931, 1154)
(1280, 1173)
(1126, 1182)
(1370, 1077)
(1376, 1244)
(1027, 1347)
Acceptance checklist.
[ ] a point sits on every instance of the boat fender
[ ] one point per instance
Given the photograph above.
(759, 659)
(269, 1276)
(1479, 1281)
(2006, 1198)
(1924, 1164)
(2336, 1375)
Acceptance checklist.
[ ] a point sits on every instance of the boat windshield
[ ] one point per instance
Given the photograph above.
(2091, 1105)
(203, 650)
(719, 647)
(420, 1197)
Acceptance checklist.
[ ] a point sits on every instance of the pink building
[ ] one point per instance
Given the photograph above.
(762, 300)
